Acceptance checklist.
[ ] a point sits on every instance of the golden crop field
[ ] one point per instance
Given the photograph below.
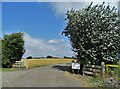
(46, 61)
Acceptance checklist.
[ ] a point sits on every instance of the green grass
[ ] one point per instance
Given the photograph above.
(9, 69)
(116, 72)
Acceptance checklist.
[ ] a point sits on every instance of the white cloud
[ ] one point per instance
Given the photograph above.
(60, 8)
(55, 41)
(38, 47)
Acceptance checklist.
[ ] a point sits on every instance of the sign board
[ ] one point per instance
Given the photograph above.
(76, 66)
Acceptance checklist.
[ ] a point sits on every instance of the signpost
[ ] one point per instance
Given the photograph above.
(75, 66)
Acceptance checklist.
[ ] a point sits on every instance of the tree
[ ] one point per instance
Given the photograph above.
(12, 48)
(29, 57)
(65, 57)
(49, 56)
(94, 33)
(0, 52)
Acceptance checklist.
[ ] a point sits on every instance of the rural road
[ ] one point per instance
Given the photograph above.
(46, 76)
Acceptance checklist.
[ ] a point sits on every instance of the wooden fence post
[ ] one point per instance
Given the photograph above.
(26, 63)
(103, 69)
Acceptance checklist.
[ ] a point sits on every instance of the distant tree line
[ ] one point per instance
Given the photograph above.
(49, 56)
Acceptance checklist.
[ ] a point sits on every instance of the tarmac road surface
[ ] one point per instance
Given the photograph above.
(45, 76)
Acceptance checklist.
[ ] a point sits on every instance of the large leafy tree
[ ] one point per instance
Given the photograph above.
(94, 33)
(0, 52)
(12, 48)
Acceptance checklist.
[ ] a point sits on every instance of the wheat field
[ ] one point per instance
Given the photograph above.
(31, 63)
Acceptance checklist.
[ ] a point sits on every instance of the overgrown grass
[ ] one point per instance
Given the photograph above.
(97, 81)
(116, 72)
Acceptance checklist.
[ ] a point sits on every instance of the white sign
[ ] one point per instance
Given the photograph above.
(75, 66)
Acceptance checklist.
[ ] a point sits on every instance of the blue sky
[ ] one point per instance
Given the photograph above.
(37, 19)
(0, 19)
(42, 24)
(42, 28)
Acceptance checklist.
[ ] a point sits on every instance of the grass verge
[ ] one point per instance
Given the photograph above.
(9, 69)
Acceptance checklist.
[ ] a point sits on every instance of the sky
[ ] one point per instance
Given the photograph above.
(42, 24)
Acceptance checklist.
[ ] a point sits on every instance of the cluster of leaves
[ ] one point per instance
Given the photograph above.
(94, 33)
(12, 48)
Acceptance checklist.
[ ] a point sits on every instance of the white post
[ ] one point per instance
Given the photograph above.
(103, 69)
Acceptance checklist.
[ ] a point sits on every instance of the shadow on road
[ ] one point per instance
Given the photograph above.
(63, 68)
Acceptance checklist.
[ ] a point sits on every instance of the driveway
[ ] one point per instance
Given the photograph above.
(47, 76)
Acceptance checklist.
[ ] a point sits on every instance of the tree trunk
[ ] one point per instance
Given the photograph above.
(81, 68)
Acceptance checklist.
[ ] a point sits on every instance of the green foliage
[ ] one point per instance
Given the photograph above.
(12, 48)
(49, 56)
(29, 57)
(115, 72)
(10, 69)
(0, 53)
(94, 33)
